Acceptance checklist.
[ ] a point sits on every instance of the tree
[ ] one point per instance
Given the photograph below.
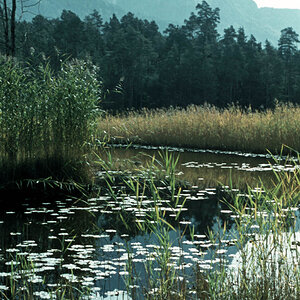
(171, 77)
(252, 88)
(271, 74)
(8, 11)
(69, 34)
(229, 67)
(287, 47)
(200, 59)
(287, 44)
(203, 25)
(93, 40)
(39, 43)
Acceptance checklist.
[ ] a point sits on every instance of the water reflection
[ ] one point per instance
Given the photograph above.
(92, 243)
(209, 168)
(87, 242)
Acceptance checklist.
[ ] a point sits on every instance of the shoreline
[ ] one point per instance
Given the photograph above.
(195, 150)
(200, 127)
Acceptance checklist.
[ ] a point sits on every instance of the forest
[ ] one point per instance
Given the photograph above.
(140, 66)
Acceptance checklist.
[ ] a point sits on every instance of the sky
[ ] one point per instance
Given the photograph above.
(279, 3)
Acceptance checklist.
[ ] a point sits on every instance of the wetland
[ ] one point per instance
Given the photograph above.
(149, 234)
(145, 222)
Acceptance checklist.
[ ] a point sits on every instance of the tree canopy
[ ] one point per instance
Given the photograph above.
(188, 64)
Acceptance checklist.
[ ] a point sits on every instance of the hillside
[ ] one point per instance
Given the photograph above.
(263, 23)
(53, 8)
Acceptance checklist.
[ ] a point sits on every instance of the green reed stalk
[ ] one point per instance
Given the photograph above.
(46, 119)
(264, 232)
(163, 284)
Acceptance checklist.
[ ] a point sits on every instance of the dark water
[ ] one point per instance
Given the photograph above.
(207, 168)
(93, 242)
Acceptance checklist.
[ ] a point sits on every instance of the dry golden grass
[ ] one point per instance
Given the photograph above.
(207, 127)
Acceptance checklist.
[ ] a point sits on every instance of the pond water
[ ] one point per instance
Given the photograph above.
(92, 243)
(208, 168)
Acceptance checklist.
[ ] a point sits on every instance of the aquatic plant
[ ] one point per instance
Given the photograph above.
(179, 263)
(207, 127)
(46, 119)
(264, 239)
(25, 282)
(266, 235)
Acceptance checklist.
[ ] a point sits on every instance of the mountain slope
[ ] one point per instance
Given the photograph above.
(53, 8)
(263, 23)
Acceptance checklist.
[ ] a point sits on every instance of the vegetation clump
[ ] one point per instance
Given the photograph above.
(207, 127)
(46, 120)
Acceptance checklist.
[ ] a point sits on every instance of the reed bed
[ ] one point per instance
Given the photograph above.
(45, 119)
(266, 234)
(207, 127)
(264, 237)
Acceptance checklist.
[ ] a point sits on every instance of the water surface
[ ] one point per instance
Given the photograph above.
(91, 242)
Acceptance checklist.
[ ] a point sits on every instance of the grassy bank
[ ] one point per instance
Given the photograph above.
(45, 120)
(207, 127)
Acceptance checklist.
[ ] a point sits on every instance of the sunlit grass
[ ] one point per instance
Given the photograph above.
(207, 127)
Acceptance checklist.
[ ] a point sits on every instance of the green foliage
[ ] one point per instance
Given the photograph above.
(188, 64)
(46, 119)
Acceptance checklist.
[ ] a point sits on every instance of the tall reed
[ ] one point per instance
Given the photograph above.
(45, 119)
(264, 237)
(207, 127)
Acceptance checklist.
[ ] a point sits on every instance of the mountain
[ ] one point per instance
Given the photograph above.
(263, 23)
(54, 8)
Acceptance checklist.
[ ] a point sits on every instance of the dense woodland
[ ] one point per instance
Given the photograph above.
(190, 64)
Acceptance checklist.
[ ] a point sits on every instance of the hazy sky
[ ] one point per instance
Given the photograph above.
(279, 3)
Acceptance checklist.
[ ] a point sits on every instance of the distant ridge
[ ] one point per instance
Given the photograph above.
(263, 23)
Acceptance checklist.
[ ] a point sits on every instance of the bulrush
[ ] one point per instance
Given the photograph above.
(207, 127)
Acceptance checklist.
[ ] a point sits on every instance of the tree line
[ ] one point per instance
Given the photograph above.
(189, 64)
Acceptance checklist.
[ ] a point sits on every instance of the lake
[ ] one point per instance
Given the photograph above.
(93, 242)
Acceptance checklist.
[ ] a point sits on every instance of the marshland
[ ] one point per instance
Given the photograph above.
(207, 127)
(136, 185)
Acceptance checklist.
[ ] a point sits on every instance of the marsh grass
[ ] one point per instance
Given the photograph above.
(24, 282)
(207, 127)
(46, 119)
(162, 284)
(265, 237)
